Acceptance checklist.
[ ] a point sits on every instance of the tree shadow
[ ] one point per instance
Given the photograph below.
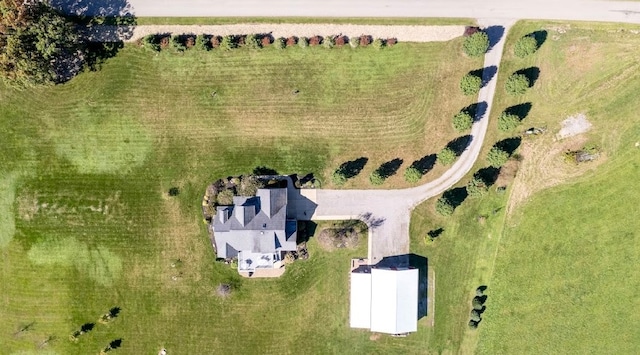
(435, 233)
(425, 164)
(488, 175)
(102, 24)
(115, 344)
(509, 145)
(306, 230)
(482, 299)
(353, 167)
(495, 33)
(481, 288)
(459, 144)
(370, 220)
(486, 74)
(532, 73)
(456, 196)
(113, 312)
(263, 170)
(389, 168)
(520, 110)
(87, 327)
(476, 110)
(540, 37)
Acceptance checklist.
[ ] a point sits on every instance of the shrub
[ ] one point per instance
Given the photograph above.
(150, 42)
(338, 177)
(365, 40)
(328, 42)
(239, 40)
(190, 42)
(201, 43)
(164, 42)
(315, 40)
(341, 41)
(477, 303)
(174, 191)
(446, 156)
(227, 43)
(376, 178)
(265, 41)
(176, 43)
(291, 41)
(525, 46)
(278, 43)
(475, 316)
(444, 207)
(497, 157)
(517, 84)
(215, 41)
(462, 121)
(225, 197)
(390, 42)
(251, 42)
(476, 45)
(303, 42)
(470, 84)
(412, 174)
(354, 42)
(377, 43)
(476, 187)
(508, 121)
(473, 324)
(479, 292)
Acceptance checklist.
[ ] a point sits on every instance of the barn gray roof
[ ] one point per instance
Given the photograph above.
(257, 224)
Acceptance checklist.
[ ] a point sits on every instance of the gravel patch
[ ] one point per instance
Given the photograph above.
(573, 126)
(402, 33)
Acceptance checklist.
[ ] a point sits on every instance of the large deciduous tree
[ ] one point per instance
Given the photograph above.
(35, 42)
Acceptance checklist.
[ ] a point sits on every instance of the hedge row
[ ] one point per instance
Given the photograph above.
(183, 42)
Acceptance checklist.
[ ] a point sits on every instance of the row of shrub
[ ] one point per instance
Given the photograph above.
(183, 42)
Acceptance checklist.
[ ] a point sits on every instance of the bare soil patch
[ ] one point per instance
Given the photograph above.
(544, 166)
(573, 126)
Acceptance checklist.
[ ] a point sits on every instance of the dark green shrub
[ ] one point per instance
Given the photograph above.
(508, 121)
(497, 157)
(338, 177)
(328, 42)
(470, 84)
(377, 43)
(475, 316)
(476, 45)
(444, 207)
(477, 303)
(462, 121)
(278, 43)
(446, 156)
(473, 325)
(525, 46)
(202, 43)
(151, 43)
(517, 84)
(412, 174)
(176, 43)
(476, 187)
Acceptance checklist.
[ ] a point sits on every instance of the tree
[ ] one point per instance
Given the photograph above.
(412, 174)
(444, 207)
(303, 42)
(497, 157)
(477, 303)
(446, 156)
(462, 121)
(225, 197)
(470, 84)
(517, 84)
(525, 46)
(278, 43)
(476, 45)
(338, 177)
(37, 43)
(354, 41)
(376, 178)
(176, 43)
(151, 43)
(251, 42)
(508, 121)
(476, 187)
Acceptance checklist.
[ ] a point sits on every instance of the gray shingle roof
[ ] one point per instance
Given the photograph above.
(257, 224)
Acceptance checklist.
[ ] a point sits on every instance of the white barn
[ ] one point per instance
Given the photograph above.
(384, 300)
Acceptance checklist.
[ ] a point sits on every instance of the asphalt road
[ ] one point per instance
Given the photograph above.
(588, 10)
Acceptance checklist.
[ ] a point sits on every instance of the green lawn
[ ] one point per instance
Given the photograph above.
(87, 224)
(566, 269)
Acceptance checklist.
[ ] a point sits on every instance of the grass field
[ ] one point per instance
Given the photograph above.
(87, 224)
(566, 273)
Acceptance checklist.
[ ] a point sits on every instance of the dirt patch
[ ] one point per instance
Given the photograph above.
(508, 173)
(573, 126)
(544, 166)
(337, 238)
